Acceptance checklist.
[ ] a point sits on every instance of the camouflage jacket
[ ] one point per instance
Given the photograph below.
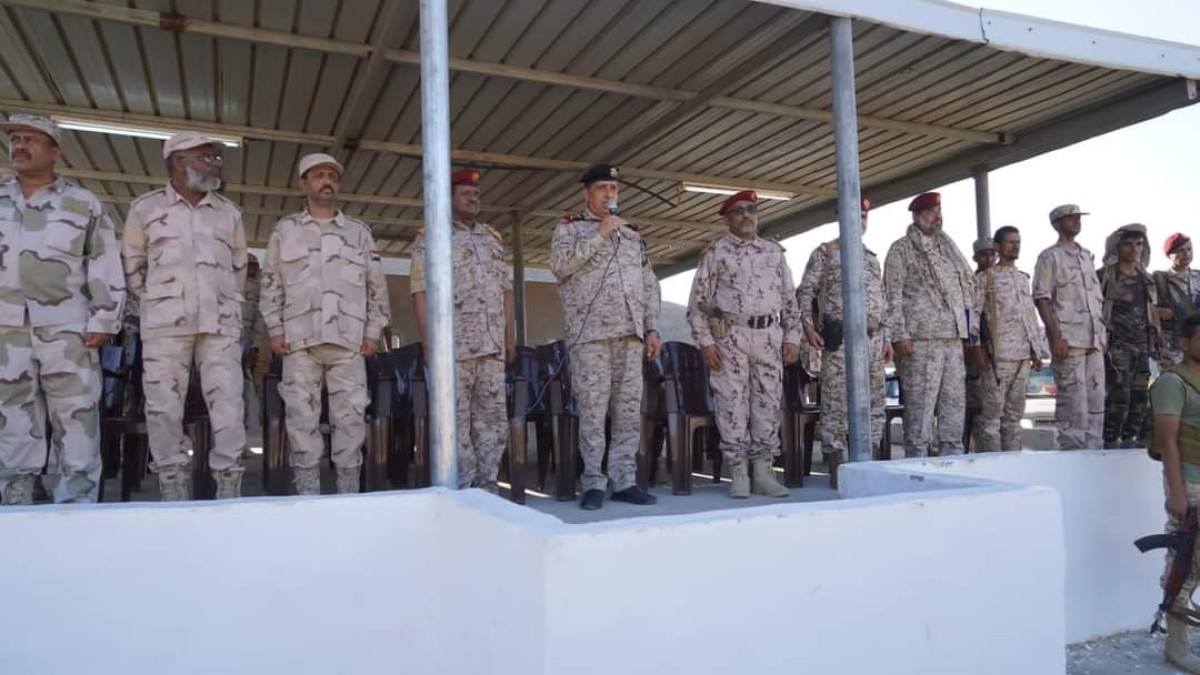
(59, 260)
(607, 287)
(1011, 316)
(480, 284)
(743, 277)
(254, 331)
(321, 283)
(185, 264)
(1130, 326)
(822, 281)
(930, 288)
(1066, 277)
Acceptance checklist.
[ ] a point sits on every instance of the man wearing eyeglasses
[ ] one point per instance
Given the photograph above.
(61, 291)
(743, 316)
(821, 286)
(185, 260)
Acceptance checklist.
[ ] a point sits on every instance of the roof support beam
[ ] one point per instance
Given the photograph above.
(215, 29)
(354, 110)
(404, 149)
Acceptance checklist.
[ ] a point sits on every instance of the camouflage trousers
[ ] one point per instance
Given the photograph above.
(48, 373)
(606, 378)
(1079, 402)
(1001, 406)
(747, 390)
(167, 364)
(482, 413)
(345, 375)
(1127, 397)
(1184, 599)
(834, 419)
(933, 381)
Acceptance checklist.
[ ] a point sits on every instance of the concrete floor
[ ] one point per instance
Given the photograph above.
(1137, 652)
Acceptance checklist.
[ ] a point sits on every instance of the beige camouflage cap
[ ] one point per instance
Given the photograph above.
(984, 245)
(186, 140)
(35, 122)
(316, 159)
(1066, 210)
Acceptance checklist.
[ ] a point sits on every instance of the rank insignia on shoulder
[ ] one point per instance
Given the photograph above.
(493, 231)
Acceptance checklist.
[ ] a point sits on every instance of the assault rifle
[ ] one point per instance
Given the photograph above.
(1182, 543)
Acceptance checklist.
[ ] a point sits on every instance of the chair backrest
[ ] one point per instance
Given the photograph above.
(528, 368)
(554, 365)
(796, 381)
(686, 380)
(407, 362)
(654, 397)
(115, 371)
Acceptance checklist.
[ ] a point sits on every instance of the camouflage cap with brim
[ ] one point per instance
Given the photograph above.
(1066, 210)
(35, 122)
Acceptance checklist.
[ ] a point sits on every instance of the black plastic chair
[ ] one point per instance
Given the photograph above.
(124, 447)
(555, 375)
(408, 463)
(377, 449)
(690, 421)
(797, 428)
(654, 422)
(277, 473)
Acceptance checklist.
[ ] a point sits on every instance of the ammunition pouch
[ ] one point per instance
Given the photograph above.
(831, 333)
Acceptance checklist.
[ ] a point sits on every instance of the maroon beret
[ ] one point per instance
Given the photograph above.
(743, 196)
(1175, 241)
(866, 204)
(465, 177)
(925, 200)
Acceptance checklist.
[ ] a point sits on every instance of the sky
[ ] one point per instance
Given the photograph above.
(1147, 173)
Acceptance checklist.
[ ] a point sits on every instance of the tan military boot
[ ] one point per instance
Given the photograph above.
(20, 490)
(832, 461)
(1178, 650)
(174, 483)
(307, 481)
(764, 479)
(229, 483)
(740, 487)
(347, 481)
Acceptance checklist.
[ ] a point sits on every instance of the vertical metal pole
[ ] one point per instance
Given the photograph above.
(518, 247)
(435, 133)
(854, 307)
(983, 203)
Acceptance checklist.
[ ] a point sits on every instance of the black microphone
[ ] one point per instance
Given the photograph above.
(613, 208)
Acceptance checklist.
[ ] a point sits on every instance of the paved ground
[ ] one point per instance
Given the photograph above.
(1137, 652)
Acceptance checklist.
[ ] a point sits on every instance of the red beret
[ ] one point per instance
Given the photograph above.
(465, 177)
(925, 200)
(1175, 241)
(866, 204)
(743, 196)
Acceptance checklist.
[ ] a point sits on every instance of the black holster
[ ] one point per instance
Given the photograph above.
(831, 333)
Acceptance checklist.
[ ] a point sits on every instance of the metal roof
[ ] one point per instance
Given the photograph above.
(725, 92)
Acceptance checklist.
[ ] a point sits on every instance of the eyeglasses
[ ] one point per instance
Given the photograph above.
(739, 210)
(209, 158)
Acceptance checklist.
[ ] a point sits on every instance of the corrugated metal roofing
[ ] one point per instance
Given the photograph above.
(536, 83)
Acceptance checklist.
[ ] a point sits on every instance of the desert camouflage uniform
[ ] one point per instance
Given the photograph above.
(1012, 321)
(822, 281)
(60, 278)
(740, 281)
(930, 290)
(610, 300)
(186, 265)
(1067, 278)
(321, 293)
(480, 282)
(1179, 292)
(1132, 319)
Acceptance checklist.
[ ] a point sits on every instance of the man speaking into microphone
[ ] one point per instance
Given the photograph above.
(610, 300)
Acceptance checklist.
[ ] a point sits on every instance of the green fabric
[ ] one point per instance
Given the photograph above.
(1177, 392)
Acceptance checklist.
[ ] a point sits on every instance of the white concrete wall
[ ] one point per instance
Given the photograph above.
(434, 581)
(1109, 498)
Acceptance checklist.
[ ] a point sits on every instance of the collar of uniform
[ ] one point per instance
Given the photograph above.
(590, 216)
(739, 242)
(339, 218)
(209, 199)
(464, 226)
(12, 186)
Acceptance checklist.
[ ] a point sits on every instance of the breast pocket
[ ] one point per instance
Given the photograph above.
(163, 244)
(293, 257)
(66, 237)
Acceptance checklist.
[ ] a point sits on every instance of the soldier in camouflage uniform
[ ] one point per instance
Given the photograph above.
(1013, 339)
(254, 331)
(484, 332)
(822, 282)
(185, 261)
(322, 305)
(981, 383)
(610, 300)
(62, 292)
(743, 316)
(1067, 295)
(1178, 291)
(931, 292)
(1131, 314)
